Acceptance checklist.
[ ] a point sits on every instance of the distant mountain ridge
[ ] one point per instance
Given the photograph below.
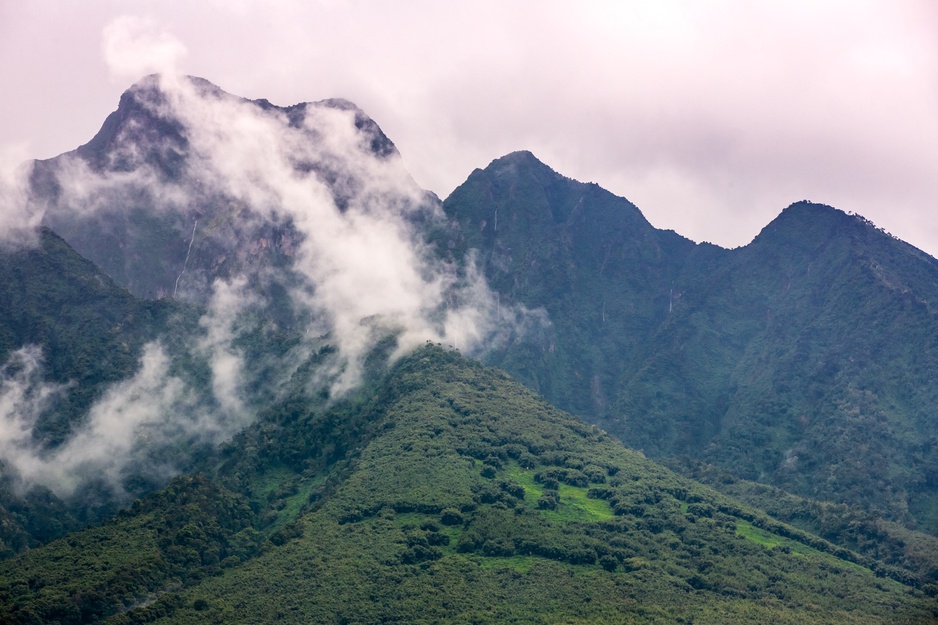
(778, 360)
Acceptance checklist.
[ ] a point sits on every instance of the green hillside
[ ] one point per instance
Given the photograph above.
(850, 526)
(806, 359)
(446, 492)
(88, 333)
(90, 330)
(810, 359)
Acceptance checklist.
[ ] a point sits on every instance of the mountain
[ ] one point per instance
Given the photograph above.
(161, 199)
(304, 215)
(228, 378)
(445, 491)
(805, 359)
(601, 271)
(244, 235)
(67, 333)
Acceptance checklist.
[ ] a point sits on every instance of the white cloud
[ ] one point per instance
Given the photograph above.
(220, 323)
(134, 46)
(18, 217)
(365, 268)
(141, 425)
(24, 397)
(147, 410)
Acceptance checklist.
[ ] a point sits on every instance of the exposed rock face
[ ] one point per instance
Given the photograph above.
(149, 199)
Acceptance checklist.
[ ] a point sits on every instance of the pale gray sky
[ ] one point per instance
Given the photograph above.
(710, 116)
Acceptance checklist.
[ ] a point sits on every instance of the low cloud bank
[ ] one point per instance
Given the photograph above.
(142, 429)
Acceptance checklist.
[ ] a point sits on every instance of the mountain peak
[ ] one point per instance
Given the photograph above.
(809, 224)
(808, 210)
(519, 162)
(158, 81)
(518, 157)
(142, 111)
(177, 137)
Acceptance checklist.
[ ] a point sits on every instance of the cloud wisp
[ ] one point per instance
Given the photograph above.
(134, 46)
(143, 428)
(24, 397)
(18, 216)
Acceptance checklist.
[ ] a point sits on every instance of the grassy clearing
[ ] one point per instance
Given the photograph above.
(770, 541)
(295, 503)
(750, 532)
(532, 490)
(574, 504)
(280, 488)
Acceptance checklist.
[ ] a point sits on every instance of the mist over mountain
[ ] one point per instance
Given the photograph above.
(177, 151)
(186, 185)
(220, 287)
(296, 222)
(277, 251)
(103, 396)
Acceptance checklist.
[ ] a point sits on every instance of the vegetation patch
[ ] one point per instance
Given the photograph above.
(576, 506)
(521, 564)
(573, 503)
(756, 535)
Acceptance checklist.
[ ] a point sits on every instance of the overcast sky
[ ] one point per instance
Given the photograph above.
(711, 116)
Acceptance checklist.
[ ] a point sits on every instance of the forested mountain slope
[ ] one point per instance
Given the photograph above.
(89, 330)
(67, 333)
(601, 271)
(807, 358)
(447, 492)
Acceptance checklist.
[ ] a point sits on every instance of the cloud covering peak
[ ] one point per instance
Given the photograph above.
(300, 220)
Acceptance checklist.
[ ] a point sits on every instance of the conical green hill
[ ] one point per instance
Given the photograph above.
(457, 496)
